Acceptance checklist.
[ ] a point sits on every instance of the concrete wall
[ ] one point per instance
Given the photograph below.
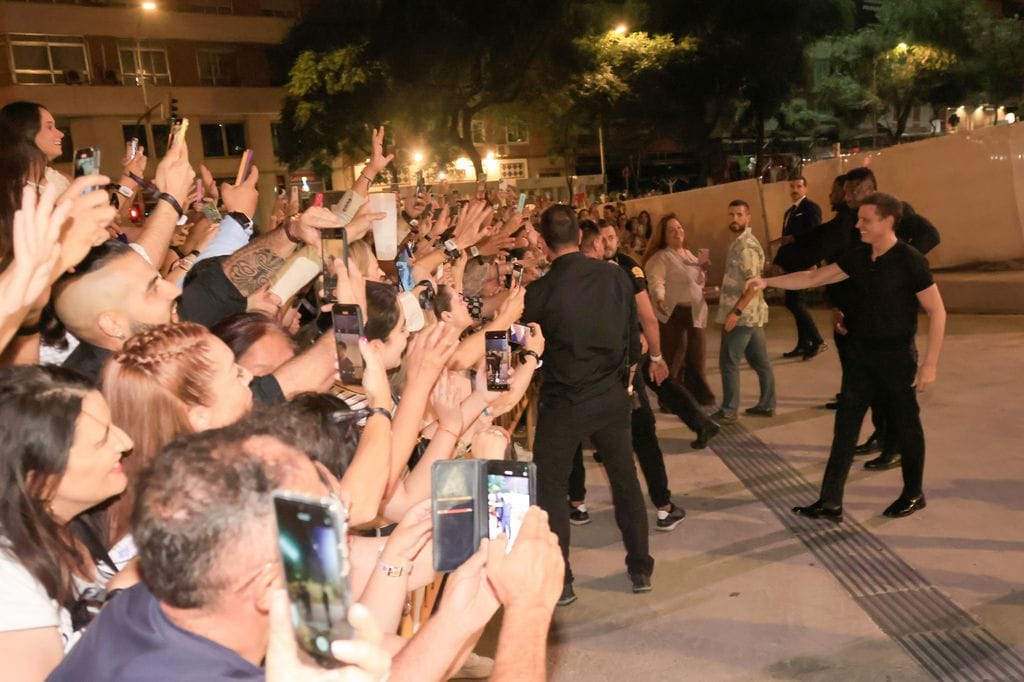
(971, 185)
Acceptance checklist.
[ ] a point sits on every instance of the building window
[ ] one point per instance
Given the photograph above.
(278, 8)
(517, 132)
(513, 169)
(223, 139)
(49, 59)
(153, 60)
(209, 6)
(478, 131)
(217, 67)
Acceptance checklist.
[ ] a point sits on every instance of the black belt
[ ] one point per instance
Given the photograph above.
(381, 532)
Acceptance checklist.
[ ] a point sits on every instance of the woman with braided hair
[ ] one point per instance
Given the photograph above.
(167, 381)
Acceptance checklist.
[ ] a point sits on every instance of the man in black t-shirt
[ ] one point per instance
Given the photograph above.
(889, 279)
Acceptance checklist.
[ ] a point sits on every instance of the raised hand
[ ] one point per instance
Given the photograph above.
(174, 174)
(473, 225)
(36, 241)
(311, 221)
(137, 165)
(378, 161)
(243, 197)
(430, 351)
(447, 403)
(530, 576)
(361, 222)
(88, 216)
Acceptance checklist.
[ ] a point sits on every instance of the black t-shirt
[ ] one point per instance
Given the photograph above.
(883, 301)
(587, 311)
(209, 296)
(633, 269)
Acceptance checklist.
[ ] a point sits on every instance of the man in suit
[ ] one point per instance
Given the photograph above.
(797, 251)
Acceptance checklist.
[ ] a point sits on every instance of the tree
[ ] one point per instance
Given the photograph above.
(431, 69)
(935, 52)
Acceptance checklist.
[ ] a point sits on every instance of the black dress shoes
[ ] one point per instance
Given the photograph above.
(568, 595)
(886, 460)
(819, 511)
(795, 353)
(706, 433)
(905, 506)
(872, 444)
(815, 350)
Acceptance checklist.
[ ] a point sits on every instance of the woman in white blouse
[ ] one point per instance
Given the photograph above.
(61, 457)
(676, 282)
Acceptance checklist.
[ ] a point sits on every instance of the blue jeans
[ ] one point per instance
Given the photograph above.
(748, 342)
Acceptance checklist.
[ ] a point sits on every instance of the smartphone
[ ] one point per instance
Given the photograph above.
(133, 148)
(87, 162)
(404, 269)
(312, 541)
(244, 166)
(199, 193)
(178, 134)
(518, 334)
(318, 199)
(334, 241)
(522, 202)
(211, 212)
(498, 359)
(517, 274)
(348, 328)
(293, 200)
(457, 511)
(511, 489)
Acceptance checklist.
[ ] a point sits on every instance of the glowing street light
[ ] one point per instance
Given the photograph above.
(902, 47)
(621, 29)
(418, 157)
(149, 6)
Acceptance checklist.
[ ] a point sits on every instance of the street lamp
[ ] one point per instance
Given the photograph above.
(418, 157)
(621, 29)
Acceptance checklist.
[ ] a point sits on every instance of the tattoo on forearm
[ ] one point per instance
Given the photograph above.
(250, 269)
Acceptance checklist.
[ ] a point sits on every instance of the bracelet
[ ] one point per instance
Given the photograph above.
(183, 263)
(380, 411)
(164, 196)
(449, 431)
(523, 354)
(657, 358)
(288, 233)
(737, 311)
(393, 571)
(178, 252)
(369, 179)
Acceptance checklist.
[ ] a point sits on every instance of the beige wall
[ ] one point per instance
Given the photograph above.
(970, 185)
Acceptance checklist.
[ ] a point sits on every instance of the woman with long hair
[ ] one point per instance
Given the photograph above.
(676, 278)
(170, 380)
(60, 457)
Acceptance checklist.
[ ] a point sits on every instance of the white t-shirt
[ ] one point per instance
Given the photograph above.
(24, 604)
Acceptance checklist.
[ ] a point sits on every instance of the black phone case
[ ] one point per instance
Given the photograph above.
(459, 509)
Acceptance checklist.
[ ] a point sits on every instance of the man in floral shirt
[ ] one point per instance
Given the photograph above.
(743, 333)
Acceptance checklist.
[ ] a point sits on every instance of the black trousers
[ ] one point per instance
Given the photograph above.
(645, 445)
(886, 372)
(877, 408)
(605, 420)
(807, 334)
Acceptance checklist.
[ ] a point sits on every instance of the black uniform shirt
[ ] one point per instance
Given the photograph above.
(883, 302)
(635, 272)
(587, 312)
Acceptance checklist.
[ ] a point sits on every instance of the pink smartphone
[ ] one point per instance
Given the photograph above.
(244, 166)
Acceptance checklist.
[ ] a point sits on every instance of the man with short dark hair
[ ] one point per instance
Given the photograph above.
(889, 280)
(796, 252)
(588, 312)
(743, 321)
(591, 243)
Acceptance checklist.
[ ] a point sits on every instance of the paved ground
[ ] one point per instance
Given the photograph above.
(741, 593)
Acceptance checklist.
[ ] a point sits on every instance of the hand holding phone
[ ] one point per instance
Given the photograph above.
(312, 541)
(498, 360)
(244, 167)
(87, 162)
(348, 328)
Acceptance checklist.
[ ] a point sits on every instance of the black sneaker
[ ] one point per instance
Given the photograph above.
(641, 583)
(672, 518)
(759, 411)
(707, 432)
(578, 516)
(568, 596)
(723, 417)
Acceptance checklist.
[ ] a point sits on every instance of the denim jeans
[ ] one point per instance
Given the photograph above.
(746, 342)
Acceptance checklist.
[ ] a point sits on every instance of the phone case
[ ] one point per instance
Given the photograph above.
(459, 509)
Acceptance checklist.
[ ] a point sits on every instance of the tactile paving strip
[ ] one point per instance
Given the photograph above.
(942, 637)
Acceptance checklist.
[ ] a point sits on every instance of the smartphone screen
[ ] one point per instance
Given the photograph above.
(348, 327)
(318, 199)
(522, 202)
(511, 489)
(178, 134)
(456, 533)
(87, 162)
(517, 274)
(243, 167)
(518, 333)
(334, 241)
(498, 359)
(404, 269)
(133, 148)
(311, 538)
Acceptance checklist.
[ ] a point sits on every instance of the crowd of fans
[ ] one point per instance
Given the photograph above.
(157, 389)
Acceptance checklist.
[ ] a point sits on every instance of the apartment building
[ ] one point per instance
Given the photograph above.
(110, 70)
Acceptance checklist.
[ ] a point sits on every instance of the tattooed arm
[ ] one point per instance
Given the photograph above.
(253, 265)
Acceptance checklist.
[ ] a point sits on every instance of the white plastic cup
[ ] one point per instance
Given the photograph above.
(385, 231)
(297, 273)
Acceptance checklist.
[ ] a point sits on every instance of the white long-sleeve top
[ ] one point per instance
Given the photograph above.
(677, 279)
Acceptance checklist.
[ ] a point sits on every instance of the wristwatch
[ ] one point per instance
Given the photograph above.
(126, 192)
(738, 312)
(523, 354)
(242, 219)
